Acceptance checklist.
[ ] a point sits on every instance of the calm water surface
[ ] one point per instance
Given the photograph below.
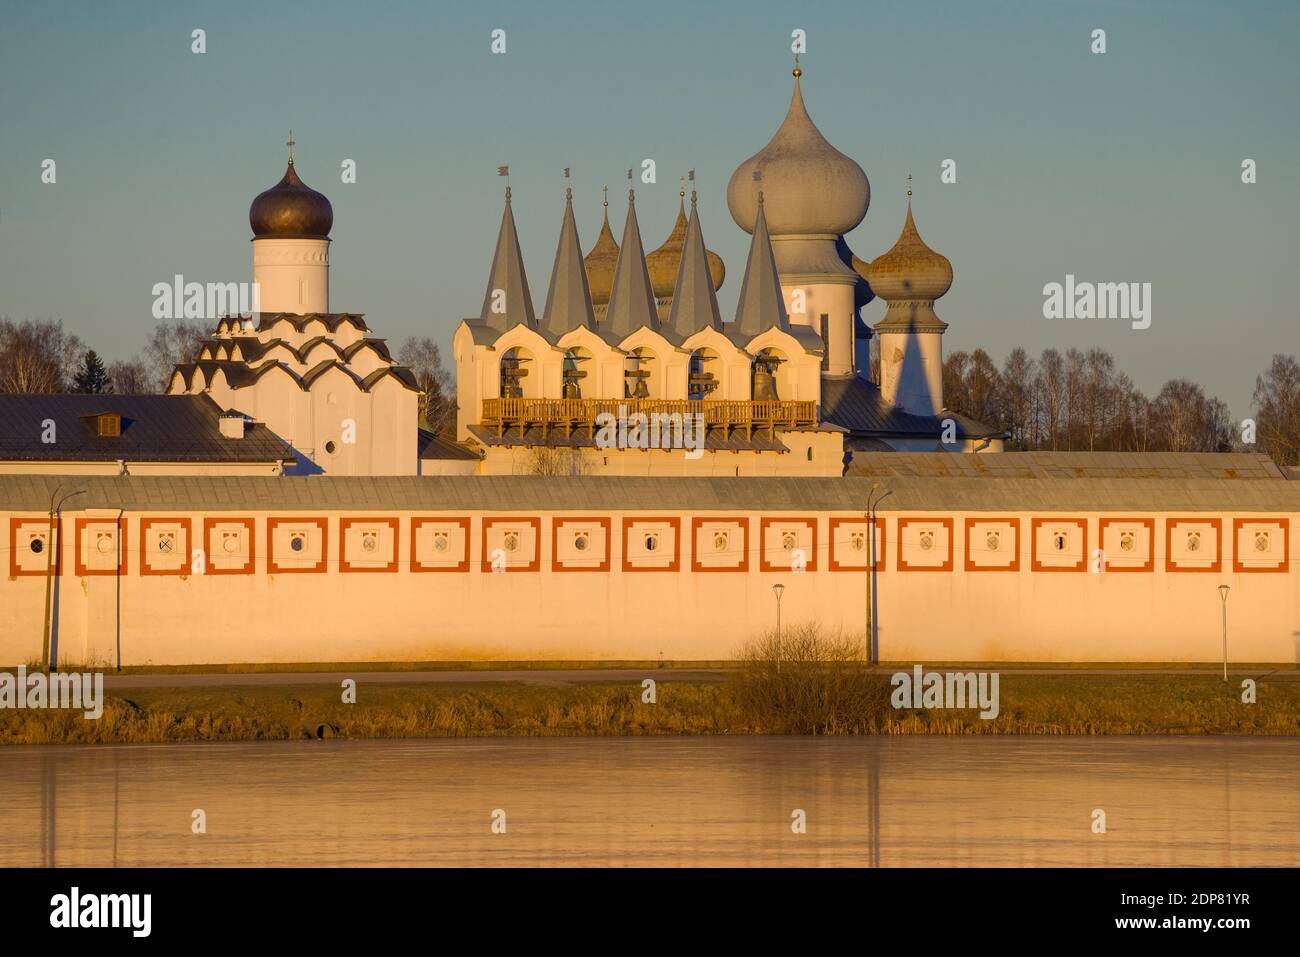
(657, 801)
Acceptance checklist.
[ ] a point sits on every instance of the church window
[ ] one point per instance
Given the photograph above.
(369, 541)
(927, 540)
(511, 541)
(993, 540)
(651, 542)
(298, 542)
(1060, 540)
(1193, 541)
(1261, 541)
(330, 447)
(1127, 541)
(440, 542)
(230, 541)
(788, 541)
(571, 387)
(37, 544)
(720, 541)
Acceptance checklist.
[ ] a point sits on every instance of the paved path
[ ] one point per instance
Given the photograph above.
(585, 675)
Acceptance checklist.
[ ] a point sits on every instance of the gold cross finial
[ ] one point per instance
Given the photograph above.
(289, 143)
(797, 72)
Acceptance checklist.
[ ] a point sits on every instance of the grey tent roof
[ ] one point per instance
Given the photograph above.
(631, 298)
(508, 274)
(761, 305)
(695, 303)
(568, 300)
(155, 428)
(31, 493)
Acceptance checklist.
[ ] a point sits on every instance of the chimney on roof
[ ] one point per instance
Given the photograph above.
(233, 426)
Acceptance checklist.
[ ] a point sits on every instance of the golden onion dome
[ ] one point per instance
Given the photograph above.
(600, 263)
(291, 210)
(663, 263)
(911, 269)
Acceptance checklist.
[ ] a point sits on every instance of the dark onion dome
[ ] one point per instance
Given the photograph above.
(291, 210)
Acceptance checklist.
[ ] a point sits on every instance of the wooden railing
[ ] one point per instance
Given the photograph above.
(566, 415)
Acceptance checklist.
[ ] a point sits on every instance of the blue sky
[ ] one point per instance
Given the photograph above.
(1116, 167)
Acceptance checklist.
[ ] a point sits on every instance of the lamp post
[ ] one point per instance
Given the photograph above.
(778, 590)
(1223, 595)
(49, 568)
(873, 605)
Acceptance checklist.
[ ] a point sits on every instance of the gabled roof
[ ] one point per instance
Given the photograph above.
(155, 428)
(332, 320)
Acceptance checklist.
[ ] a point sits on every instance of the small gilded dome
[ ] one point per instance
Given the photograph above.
(600, 263)
(809, 187)
(291, 210)
(664, 261)
(911, 269)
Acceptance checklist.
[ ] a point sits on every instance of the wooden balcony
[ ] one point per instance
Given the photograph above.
(565, 416)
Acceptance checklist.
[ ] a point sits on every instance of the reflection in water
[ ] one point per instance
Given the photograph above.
(658, 801)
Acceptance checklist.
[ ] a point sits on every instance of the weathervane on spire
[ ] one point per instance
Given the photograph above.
(681, 181)
(289, 143)
(909, 184)
(797, 72)
(605, 190)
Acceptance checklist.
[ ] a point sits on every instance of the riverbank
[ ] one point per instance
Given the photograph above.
(1030, 704)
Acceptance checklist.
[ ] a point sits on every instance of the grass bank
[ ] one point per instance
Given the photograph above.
(799, 701)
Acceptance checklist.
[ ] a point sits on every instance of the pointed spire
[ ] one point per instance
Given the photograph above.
(568, 301)
(507, 302)
(631, 300)
(761, 305)
(695, 306)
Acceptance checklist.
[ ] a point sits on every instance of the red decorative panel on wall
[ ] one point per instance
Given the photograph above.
(1059, 544)
(1127, 544)
(792, 543)
(231, 545)
(23, 532)
(369, 544)
(1261, 544)
(726, 544)
(515, 544)
(440, 544)
(848, 548)
(165, 545)
(992, 544)
(311, 556)
(1193, 544)
(97, 544)
(924, 545)
(580, 544)
(652, 543)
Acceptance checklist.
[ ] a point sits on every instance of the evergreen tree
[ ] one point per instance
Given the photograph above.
(91, 378)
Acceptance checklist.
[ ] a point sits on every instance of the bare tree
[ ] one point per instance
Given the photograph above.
(556, 460)
(172, 343)
(37, 356)
(1277, 404)
(437, 410)
(130, 377)
(1016, 398)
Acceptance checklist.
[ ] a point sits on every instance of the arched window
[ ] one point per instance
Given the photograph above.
(573, 373)
(513, 373)
(700, 382)
(763, 375)
(636, 374)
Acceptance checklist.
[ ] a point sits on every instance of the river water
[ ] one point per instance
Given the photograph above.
(993, 801)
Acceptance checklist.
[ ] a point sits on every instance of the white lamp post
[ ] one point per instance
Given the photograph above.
(1223, 594)
(778, 590)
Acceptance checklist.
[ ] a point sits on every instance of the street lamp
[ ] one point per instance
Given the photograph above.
(778, 590)
(49, 567)
(1223, 595)
(873, 605)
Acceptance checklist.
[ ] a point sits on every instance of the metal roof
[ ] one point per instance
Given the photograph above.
(856, 404)
(155, 428)
(636, 494)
